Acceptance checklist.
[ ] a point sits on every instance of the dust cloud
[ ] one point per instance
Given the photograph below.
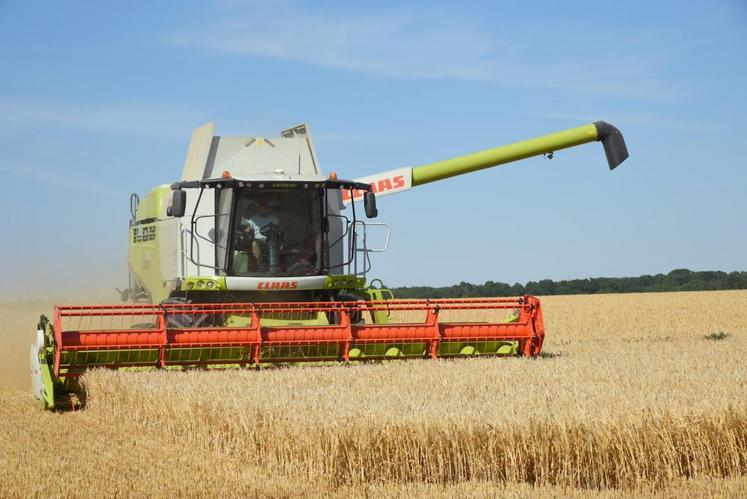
(19, 317)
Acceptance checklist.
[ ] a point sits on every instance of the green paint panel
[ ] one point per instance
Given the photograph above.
(478, 348)
(151, 207)
(387, 350)
(108, 357)
(225, 354)
(323, 351)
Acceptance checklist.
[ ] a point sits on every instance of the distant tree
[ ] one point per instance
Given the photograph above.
(676, 280)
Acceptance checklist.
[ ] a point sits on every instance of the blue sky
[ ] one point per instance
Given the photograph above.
(98, 100)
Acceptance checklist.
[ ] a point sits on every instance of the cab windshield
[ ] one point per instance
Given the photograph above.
(277, 232)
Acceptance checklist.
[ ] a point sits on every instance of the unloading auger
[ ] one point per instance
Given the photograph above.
(252, 258)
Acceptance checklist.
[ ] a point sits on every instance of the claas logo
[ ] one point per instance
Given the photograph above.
(277, 285)
(383, 185)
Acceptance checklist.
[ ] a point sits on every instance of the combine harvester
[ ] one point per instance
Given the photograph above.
(250, 260)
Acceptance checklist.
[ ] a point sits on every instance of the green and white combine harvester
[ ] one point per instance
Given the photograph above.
(256, 257)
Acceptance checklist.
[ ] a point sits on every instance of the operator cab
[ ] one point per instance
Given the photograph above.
(277, 233)
(272, 228)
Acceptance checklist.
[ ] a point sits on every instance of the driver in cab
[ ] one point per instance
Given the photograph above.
(258, 226)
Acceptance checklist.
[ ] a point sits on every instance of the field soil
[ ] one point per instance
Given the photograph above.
(635, 394)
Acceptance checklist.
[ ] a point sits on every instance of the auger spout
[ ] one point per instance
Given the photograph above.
(614, 146)
(402, 179)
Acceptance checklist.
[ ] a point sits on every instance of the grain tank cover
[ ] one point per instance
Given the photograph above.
(210, 155)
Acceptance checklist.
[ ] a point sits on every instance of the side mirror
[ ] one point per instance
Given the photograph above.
(369, 203)
(178, 204)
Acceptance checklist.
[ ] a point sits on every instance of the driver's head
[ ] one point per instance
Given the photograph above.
(264, 209)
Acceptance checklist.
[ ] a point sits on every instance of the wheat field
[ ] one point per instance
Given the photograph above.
(638, 394)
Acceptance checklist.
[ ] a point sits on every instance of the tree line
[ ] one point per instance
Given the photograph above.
(676, 280)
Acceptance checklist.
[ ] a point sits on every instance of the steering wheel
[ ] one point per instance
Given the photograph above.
(269, 229)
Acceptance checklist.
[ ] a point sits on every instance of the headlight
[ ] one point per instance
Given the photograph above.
(200, 284)
(210, 284)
